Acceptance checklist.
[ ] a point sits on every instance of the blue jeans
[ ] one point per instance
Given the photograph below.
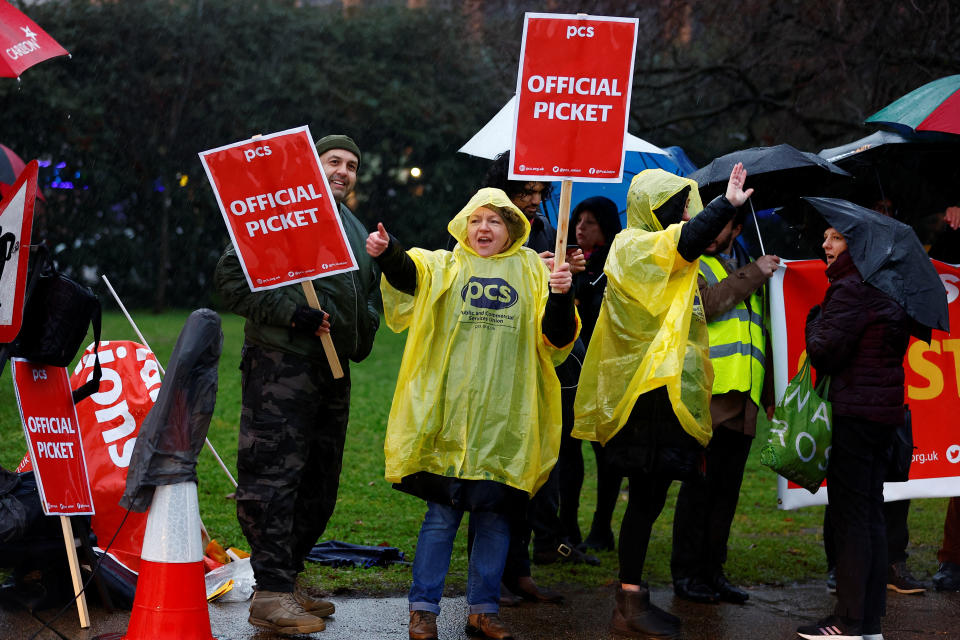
(432, 560)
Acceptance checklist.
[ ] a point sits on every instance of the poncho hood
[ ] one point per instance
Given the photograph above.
(495, 199)
(649, 190)
(651, 331)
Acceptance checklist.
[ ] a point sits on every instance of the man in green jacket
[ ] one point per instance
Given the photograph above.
(294, 416)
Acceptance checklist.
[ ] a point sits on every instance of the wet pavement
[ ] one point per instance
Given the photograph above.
(772, 613)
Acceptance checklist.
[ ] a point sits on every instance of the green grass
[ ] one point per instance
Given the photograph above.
(767, 545)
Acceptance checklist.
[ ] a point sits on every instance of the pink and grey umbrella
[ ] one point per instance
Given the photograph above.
(933, 107)
(22, 43)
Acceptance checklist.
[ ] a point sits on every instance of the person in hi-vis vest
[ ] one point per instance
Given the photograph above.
(731, 291)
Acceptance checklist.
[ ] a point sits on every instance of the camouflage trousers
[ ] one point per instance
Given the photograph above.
(292, 429)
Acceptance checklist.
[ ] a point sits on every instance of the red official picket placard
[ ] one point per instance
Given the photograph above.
(573, 97)
(278, 208)
(16, 221)
(53, 437)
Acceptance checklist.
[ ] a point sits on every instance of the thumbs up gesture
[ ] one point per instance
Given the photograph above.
(378, 241)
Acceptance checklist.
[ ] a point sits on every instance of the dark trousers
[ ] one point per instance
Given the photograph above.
(292, 428)
(571, 481)
(648, 493)
(895, 515)
(542, 517)
(950, 550)
(855, 475)
(570, 466)
(706, 506)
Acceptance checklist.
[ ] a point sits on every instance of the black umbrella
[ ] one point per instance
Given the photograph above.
(910, 175)
(777, 174)
(889, 256)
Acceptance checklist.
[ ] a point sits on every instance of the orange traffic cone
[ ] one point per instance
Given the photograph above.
(171, 600)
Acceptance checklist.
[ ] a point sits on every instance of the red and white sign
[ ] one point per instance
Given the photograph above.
(573, 97)
(275, 199)
(16, 221)
(53, 437)
(109, 424)
(932, 386)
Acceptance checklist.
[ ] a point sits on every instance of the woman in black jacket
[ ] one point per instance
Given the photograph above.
(593, 224)
(858, 335)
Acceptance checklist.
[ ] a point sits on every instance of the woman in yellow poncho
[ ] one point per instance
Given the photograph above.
(645, 385)
(475, 421)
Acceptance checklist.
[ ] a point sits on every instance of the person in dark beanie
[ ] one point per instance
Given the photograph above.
(294, 416)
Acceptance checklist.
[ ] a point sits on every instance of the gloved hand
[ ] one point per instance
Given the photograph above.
(309, 320)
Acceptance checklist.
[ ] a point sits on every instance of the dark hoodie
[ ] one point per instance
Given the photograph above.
(588, 285)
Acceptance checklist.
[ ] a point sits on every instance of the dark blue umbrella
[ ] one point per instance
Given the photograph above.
(633, 163)
(889, 256)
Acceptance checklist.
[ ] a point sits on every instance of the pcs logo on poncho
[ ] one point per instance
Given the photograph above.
(489, 293)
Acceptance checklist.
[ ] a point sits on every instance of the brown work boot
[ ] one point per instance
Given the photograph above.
(488, 625)
(313, 606)
(423, 625)
(281, 613)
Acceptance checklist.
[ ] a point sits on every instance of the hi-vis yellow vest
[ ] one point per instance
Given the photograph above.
(736, 340)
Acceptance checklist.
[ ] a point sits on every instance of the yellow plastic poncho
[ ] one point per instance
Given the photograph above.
(477, 397)
(651, 331)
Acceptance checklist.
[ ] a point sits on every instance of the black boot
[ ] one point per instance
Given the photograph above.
(635, 617)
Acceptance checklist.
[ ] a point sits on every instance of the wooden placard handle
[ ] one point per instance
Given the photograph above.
(75, 572)
(325, 338)
(563, 223)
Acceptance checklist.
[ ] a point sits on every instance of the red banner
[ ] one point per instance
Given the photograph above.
(16, 221)
(53, 437)
(932, 386)
(276, 202)
(573, 97)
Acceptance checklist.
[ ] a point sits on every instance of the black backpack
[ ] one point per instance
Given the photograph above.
(57, 312)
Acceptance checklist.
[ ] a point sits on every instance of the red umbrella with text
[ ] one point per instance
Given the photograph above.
(22, 43)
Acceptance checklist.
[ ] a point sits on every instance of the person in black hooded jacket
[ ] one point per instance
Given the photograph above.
(858, 335)
(593, 224)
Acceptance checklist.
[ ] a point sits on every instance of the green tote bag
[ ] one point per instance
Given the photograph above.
(796, 442)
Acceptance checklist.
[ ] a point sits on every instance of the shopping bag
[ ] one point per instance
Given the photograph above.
(796, 442)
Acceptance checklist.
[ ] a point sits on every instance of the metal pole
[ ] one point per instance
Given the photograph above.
(144, 341)
(757, 225)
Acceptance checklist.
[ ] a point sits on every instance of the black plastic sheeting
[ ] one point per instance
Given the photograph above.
(334, 553)
(174, 431)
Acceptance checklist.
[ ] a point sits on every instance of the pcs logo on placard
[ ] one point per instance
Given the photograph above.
(574, 31)
(250, 154)
(489, 293)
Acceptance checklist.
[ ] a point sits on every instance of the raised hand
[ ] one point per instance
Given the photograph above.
(735, 193)
(378, 241)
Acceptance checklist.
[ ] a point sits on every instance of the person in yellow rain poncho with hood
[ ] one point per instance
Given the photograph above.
(645, 385)
(475, 421)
